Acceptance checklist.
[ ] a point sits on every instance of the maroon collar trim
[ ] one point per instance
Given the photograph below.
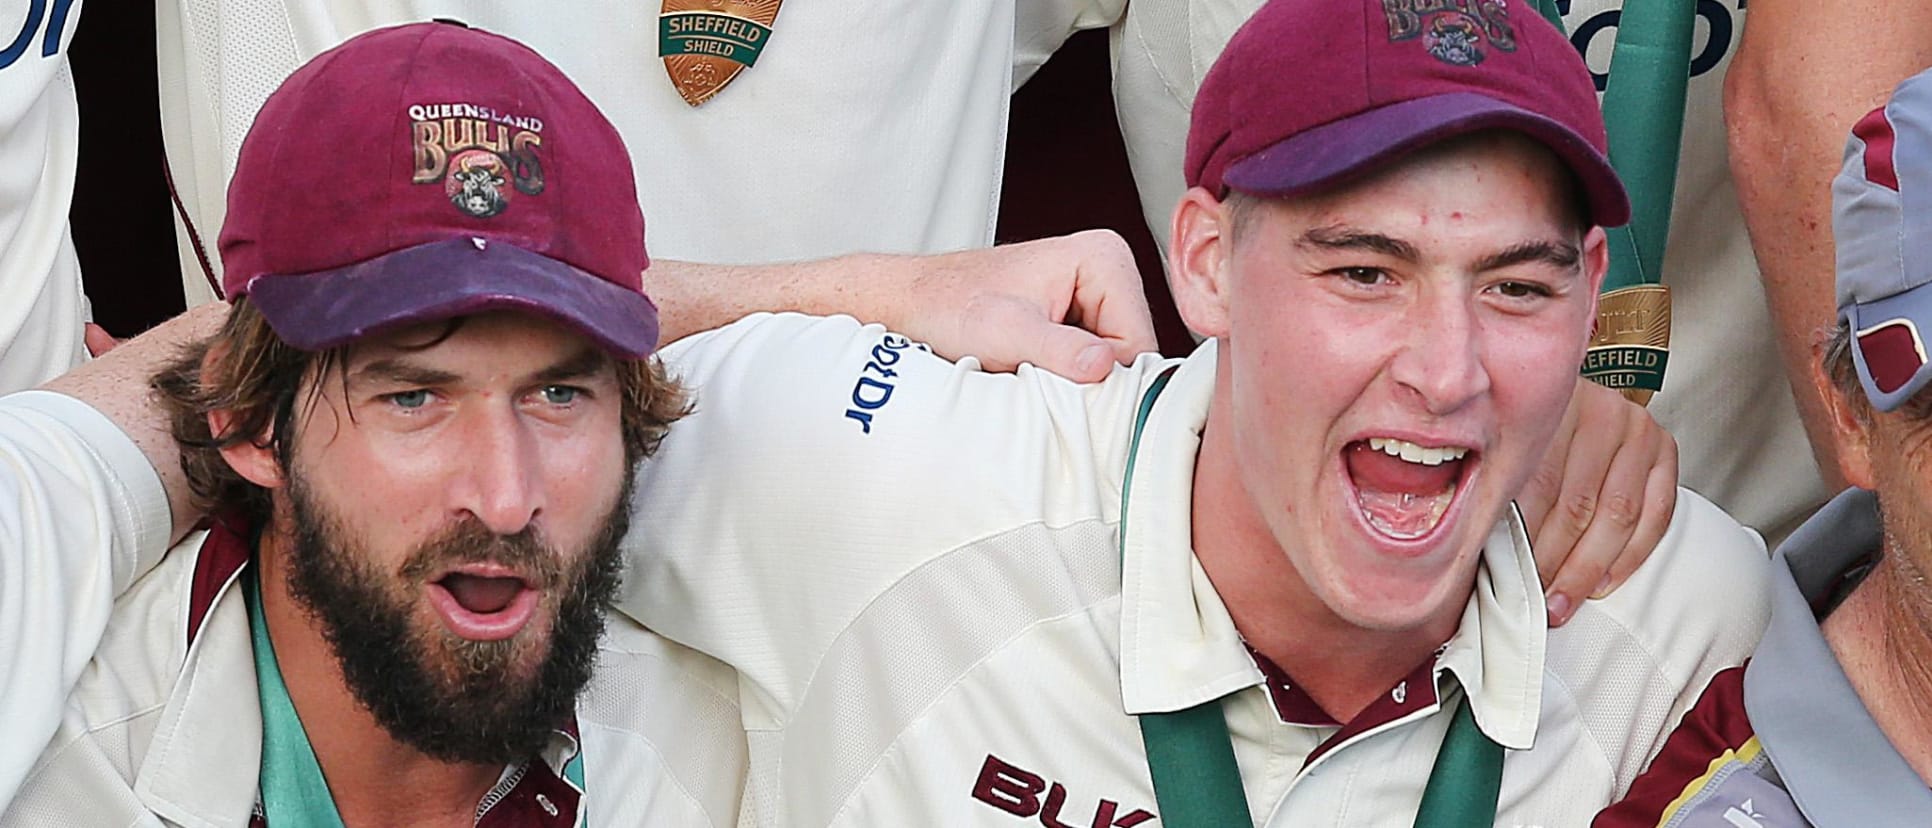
(1293, 706)
(228, 548)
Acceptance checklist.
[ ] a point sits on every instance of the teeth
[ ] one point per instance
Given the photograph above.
(1414, 453)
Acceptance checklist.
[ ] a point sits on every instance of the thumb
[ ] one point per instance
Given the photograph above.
(1028, 336)
(1073, 353)
(98, 340)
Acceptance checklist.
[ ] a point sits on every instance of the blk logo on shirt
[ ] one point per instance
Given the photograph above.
(1026, 794)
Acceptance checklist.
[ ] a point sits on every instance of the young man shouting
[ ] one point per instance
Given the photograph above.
(1291, 556)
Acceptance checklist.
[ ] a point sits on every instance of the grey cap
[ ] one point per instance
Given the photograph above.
(1881, 215)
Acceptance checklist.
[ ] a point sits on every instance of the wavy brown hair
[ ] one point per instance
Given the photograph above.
(246, 369)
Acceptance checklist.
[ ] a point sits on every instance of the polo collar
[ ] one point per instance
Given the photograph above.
(1833, 759)
(1179, 646)
(204, 763)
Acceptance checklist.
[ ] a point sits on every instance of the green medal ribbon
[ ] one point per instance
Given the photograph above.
(294, 792)
(1191, 756)
(1547, 8)
(1643, 108)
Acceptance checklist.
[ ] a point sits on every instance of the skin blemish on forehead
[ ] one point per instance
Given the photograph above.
(1456, 216)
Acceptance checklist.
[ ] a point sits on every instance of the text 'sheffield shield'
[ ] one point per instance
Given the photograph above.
(706, 43)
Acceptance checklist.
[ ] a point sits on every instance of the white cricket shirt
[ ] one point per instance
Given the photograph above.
(913, 567)
(42, 308)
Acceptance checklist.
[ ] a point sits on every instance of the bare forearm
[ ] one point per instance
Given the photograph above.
(1804, 73)
(1071, 304)
(116, 384)
(694, 297)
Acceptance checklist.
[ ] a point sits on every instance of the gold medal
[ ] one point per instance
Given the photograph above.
(706, 43)
(1631, 345)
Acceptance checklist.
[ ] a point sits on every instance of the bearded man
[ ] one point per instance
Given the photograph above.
(415, 430)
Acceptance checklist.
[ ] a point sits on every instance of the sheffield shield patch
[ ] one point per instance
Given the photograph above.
(706, 43)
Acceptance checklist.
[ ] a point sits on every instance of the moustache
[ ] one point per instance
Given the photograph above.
(525, 553)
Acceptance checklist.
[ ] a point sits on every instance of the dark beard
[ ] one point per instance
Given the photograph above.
(453, 699)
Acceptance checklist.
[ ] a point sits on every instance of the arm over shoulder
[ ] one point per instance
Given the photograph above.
(82, 514)
(1647, 651)
(825, 461)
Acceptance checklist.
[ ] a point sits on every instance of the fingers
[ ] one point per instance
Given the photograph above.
(1659, 504)
(1595, 436)
(1073, 305)
(98, 340)
(1027, 336)
(1108, 297)
(1612, 531)
(1540, 492)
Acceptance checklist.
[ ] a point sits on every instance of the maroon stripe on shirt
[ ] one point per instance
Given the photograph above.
(1716, 724)
(223, 554)
(1294, 706)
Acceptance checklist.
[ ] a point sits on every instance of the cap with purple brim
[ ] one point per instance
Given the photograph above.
(429, 171)
(1882, 227)
(1377, 81)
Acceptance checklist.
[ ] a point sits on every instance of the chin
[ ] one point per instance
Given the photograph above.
(1376, 591)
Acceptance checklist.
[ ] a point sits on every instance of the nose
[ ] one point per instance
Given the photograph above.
(1440, 362)
(498, 480)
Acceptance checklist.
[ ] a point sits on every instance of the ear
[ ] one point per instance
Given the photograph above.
(1851, 423)
(1197, 262)
(251, 458)
(1596, 266)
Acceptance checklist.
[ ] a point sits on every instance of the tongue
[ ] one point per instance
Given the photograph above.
(482, 596)
(1378, 472)
(1399, 498)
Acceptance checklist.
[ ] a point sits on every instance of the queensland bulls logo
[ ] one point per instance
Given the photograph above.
(1454, 41)
(482, 157)
(1454, 31)
(477, 182)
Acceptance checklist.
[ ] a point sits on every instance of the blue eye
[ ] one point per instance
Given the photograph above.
(409, 399)
(560, 394)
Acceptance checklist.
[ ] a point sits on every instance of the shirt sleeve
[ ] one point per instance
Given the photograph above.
(1040, 26)
(825, 461)
(1714, 733)
(82, 514)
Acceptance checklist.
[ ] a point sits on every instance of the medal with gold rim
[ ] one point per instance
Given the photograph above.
(706, 43)
(1631, 344)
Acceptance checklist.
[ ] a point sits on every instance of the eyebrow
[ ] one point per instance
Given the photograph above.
(1561, 254)
(1344, 238)
(1334, 237)
(586, 362)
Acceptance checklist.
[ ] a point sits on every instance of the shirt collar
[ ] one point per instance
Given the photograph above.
(1179, 646)
(1839, 767)
(205, 760)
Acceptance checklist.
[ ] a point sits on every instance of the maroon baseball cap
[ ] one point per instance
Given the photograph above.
(1312, 93)
(429, 171)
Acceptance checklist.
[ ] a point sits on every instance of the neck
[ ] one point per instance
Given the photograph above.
(1882, 636)
(368, 772)
(1342, 666)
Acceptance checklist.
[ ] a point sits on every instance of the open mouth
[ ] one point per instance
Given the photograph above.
(483, 603)
(1403, 489)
